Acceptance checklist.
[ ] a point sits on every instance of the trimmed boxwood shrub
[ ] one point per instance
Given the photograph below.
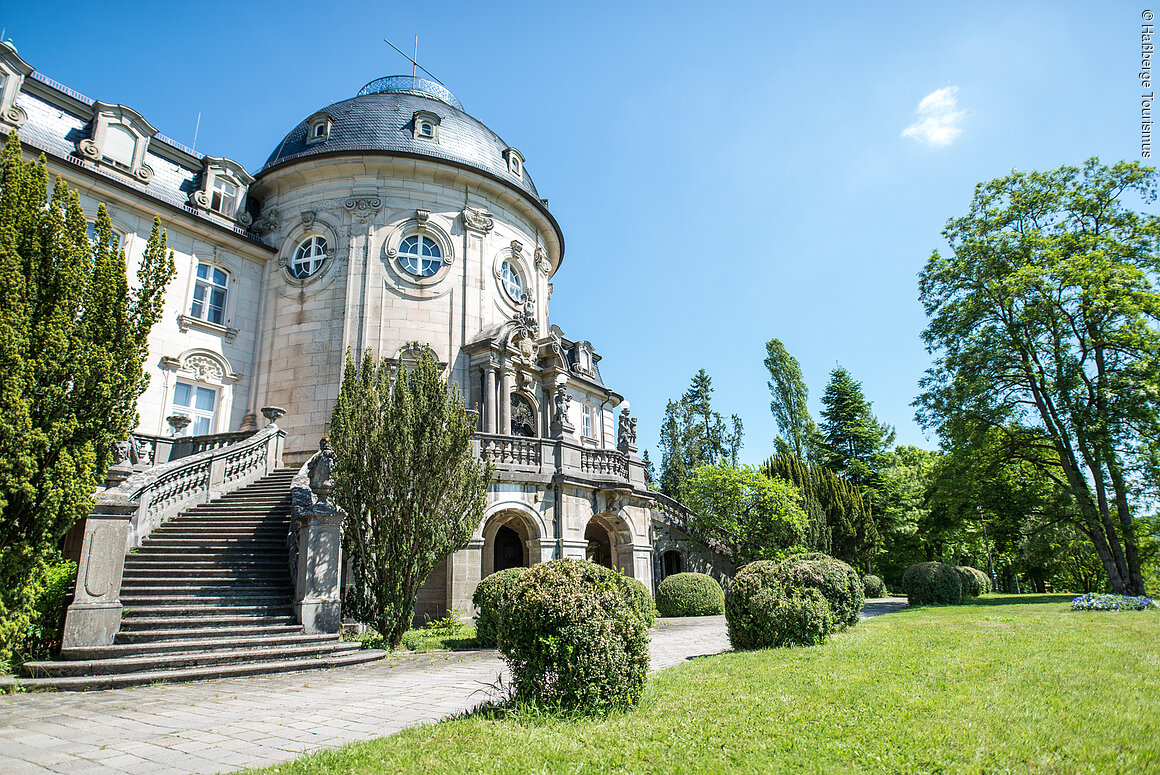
(839, 584)
(640, 599)
(690, 594)
(933, 582)
(572, 638)
(761, 612)
(873, 586)
(975, 582)
(489, 599)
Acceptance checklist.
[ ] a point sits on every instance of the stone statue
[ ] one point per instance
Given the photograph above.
(320, 468)
(626, 432)
(560, 424)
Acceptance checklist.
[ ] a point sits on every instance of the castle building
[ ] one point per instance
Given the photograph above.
(391, 221)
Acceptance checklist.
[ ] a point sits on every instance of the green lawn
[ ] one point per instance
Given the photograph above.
(1008, 684)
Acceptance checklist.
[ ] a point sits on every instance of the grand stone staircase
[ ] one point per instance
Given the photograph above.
(207, 595)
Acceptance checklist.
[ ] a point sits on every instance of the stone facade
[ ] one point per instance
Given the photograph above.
(392, 222)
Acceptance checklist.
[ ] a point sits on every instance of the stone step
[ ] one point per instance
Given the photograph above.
(220, 589)
(194, 622)
(223, 533)
(80, 683)
(200, 610)
(136, 602)
(194, 644)
(224, 633)
(218, 576)
(221, 543)
(242, 507)
(144, 562)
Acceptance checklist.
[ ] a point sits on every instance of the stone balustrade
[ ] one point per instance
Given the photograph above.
(551, 457)
(125, 514)
(604, 462)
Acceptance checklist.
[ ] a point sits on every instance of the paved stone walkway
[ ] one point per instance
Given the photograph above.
(227, 724)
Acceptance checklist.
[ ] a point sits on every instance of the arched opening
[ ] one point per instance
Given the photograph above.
(523, 417)
(671, 563)
(509, 550)
(601, 543)
(506, 537)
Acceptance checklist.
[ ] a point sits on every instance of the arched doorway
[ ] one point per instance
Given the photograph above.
(671, 563)
(602, 542)
(509, 550)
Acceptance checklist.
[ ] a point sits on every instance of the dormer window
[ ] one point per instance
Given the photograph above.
(225, 197)
(425, 125)
(515, 161)
(13, 70)
(317, 128)
(120, 139)
(224, 187)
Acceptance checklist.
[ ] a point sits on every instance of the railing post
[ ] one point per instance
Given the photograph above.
(319, 604)
(94, 617)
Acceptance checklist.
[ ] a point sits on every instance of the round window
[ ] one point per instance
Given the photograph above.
(513, 281)
(420, 255)
(308, 258)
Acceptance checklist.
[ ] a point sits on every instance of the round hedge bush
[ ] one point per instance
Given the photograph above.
(873, 586)
(573, 639)
(839, 584)
(690, 594)
(640, 599)
(761, 612)
(933, 582)
(975, 582)
(489, 600)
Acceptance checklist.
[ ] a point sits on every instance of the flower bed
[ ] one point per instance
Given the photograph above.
(1094, 601)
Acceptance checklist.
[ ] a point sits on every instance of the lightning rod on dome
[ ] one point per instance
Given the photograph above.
(414, 63)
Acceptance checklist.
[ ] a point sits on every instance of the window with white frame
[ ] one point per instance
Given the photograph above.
(198, 403)
(308, 258)
(515, 162)
(225, 197)
(586, 421)
(513, 281)
(119, 146)
(420, 255)
(209, 294)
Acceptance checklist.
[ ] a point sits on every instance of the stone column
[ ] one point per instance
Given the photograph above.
(505, 402)
(319, 569)
(94, 617)
(489, 398)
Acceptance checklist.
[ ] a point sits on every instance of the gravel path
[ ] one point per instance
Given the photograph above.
(226, 724)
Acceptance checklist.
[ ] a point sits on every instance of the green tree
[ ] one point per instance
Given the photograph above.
(1044, 323)
(694, 435)
(759, 517)
(408, 480)
(73, 338)
(799, 434)
(907, 472)
(854, 440)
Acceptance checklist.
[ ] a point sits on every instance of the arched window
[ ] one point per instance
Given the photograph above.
(420, 255)
(523, 417)
(513, 281)
(308, 258)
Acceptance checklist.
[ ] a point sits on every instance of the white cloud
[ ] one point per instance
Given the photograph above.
(938, 120)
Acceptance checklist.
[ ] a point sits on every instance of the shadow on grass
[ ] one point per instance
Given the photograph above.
(993, 600)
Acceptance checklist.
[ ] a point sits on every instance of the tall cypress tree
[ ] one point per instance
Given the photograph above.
(72, 343)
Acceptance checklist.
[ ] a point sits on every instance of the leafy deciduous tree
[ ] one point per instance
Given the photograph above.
(799, 434)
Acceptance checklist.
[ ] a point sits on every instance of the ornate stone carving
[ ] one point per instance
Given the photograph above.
(178, 423)
(144, 173)
(245, 219)
(542, 262)
(199, 199)
(561, 402)
(308, 218)
(15, 116)
(320, 468)
(626, 432)
(266, 223)
(89, 149)
(363, 208)
(273, 413)
(526, 317)
(204, 369)
(517, 248)
(421, 216)
(477, 220)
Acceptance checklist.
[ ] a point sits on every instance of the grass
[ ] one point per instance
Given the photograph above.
(448, 634)
(1008, 684)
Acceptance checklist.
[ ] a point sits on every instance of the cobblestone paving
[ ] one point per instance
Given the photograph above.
(228, 724)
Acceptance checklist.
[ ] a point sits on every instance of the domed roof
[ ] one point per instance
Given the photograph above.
(380, 119)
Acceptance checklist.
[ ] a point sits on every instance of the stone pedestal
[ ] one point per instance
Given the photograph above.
(94, 617)
(318, 604)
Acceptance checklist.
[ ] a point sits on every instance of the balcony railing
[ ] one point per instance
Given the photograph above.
(548, 457)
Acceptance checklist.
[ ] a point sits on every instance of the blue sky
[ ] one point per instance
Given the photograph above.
(724, 173)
